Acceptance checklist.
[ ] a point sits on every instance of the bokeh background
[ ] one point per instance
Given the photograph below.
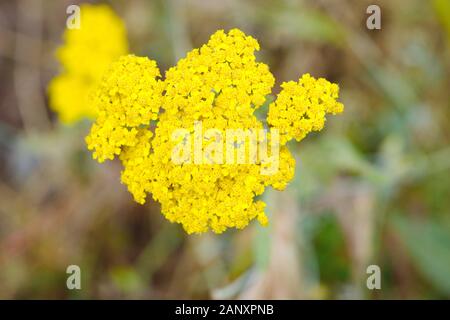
(372, 188)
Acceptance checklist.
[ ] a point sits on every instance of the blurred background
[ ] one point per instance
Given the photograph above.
(372, 188)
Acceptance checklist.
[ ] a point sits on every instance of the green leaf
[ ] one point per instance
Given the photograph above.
(429, 246)
(126, 279)
(311, 25)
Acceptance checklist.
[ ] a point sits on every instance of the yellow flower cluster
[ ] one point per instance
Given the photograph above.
(301, 107)
(128, 97)
(219, 85)
(84, 57)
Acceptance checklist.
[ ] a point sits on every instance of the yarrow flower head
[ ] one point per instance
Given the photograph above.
(214, 89)
(84, 57)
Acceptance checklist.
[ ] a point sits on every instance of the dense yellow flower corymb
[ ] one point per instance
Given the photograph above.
(301, 107)
(219, 85)
(84, 57)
